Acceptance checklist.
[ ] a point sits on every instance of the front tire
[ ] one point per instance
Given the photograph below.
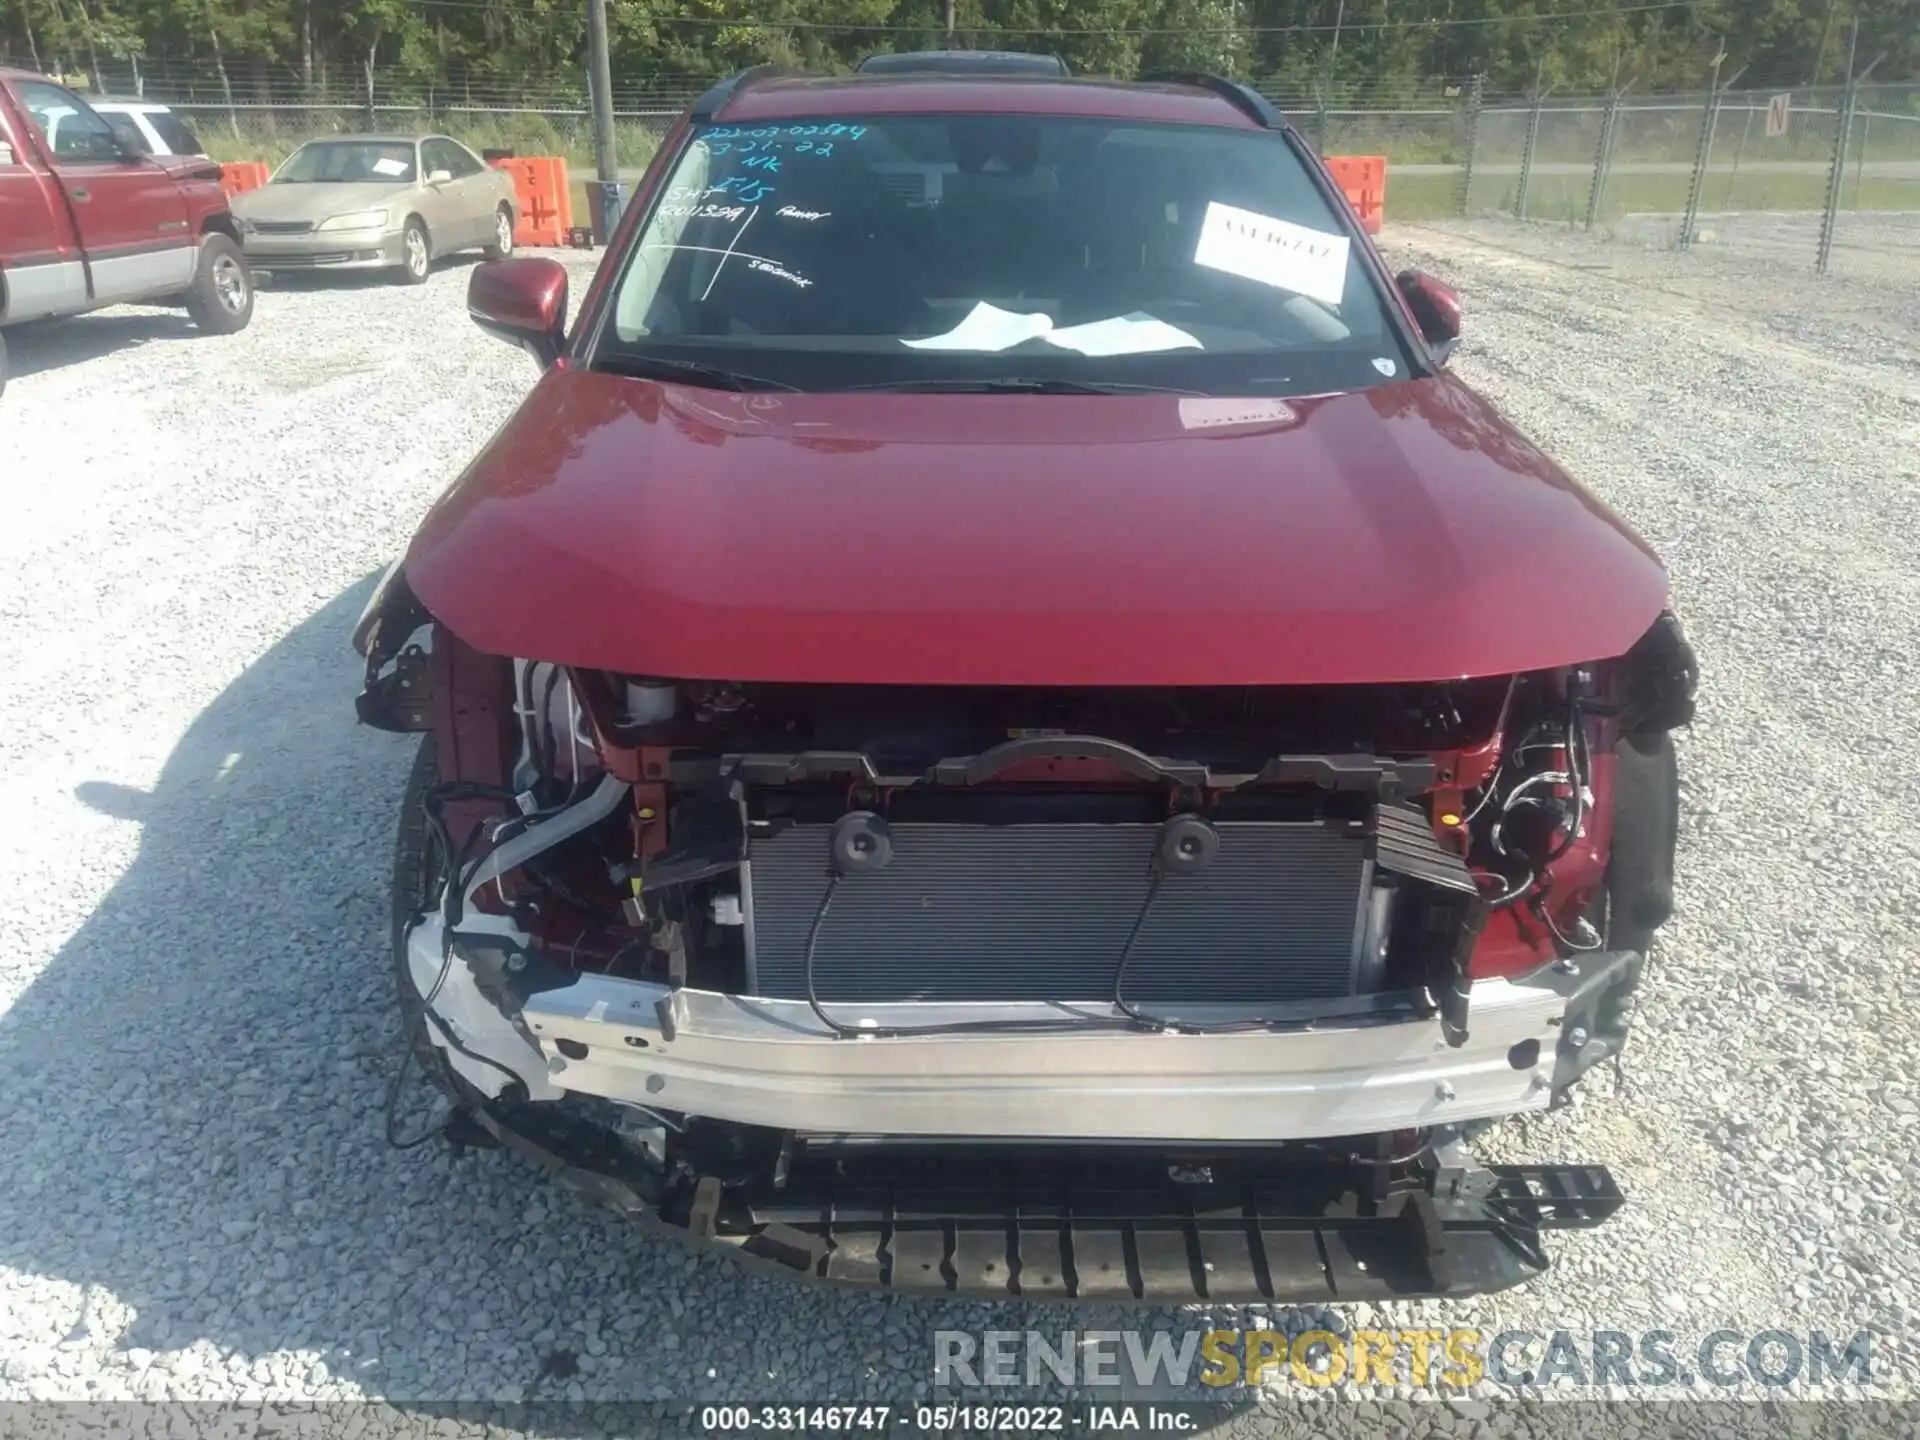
(502, 246)
(221, 298)
(416, 254)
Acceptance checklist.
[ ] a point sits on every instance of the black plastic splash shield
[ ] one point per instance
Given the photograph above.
(944, 1224)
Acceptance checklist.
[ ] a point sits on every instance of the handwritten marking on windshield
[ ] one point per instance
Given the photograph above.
(769, 267)
(835, 131)
(702, 212)
(727, 255)
(747, 188)
(794, 212)
(653, 245)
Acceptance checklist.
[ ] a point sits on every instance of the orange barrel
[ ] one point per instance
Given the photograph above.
(241, 176)
(540, 186)
(1363, 179)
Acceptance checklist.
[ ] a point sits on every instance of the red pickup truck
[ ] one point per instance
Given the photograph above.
(86, 222)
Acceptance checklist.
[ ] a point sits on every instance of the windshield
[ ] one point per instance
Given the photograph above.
(348, 161)
(999, 251)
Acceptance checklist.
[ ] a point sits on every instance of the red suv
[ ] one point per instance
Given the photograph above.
(88, 220)
(998, 723)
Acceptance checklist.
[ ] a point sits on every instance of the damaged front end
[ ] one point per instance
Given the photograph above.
(1082, 993)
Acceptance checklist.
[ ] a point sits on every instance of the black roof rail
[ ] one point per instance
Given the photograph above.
(962, 62)
(1243, 98)
(717, 95)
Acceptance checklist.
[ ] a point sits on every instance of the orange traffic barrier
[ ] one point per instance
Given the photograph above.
(1364, 180)
(545, 201)
(243, 175)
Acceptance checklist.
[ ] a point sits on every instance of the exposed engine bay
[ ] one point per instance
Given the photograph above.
(727, 949)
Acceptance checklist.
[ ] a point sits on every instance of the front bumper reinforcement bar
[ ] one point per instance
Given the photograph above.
(773, 1063)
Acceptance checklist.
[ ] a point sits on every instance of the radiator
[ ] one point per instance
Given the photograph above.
(1042, 912)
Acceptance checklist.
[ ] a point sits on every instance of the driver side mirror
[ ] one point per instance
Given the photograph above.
(1435, 309)
(524, 302)
(439, 177)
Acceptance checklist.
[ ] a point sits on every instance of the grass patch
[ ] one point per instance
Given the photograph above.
(1563, 198)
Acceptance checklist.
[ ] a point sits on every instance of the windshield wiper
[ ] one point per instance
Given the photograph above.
(1020, 385)
(660, 367)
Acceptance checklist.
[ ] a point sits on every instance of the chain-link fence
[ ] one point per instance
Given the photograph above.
(1826, 177)
(253, 131)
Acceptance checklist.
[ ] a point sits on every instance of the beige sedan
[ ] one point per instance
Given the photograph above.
(372, 202)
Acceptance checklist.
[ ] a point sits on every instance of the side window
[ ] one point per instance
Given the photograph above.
(462, 161)
(73, 130)
(438, 155)
(127, 131)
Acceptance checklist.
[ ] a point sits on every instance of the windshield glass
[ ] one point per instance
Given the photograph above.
(348, 161)
(1003, 249)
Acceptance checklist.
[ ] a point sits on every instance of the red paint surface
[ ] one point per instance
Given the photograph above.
(1401, 533)
(529, 296)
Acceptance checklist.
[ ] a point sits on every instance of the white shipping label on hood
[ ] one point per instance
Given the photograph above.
(1273, 252)
(1206, 412)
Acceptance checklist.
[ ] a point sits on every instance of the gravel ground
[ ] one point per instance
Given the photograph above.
(195, 1198)
(1881, 247)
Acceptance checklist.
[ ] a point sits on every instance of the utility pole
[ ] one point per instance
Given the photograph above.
(600, 93)
(949, 18)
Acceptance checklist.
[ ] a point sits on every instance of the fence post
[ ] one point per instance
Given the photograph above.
(1475, 95)
(1697, 186)
(1836, 174)
(1526, 154)
(1602, 158)
(1860, 163)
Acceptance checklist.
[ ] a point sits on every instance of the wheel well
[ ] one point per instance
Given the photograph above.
(221, 224)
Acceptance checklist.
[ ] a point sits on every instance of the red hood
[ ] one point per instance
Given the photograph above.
(1401, 533)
